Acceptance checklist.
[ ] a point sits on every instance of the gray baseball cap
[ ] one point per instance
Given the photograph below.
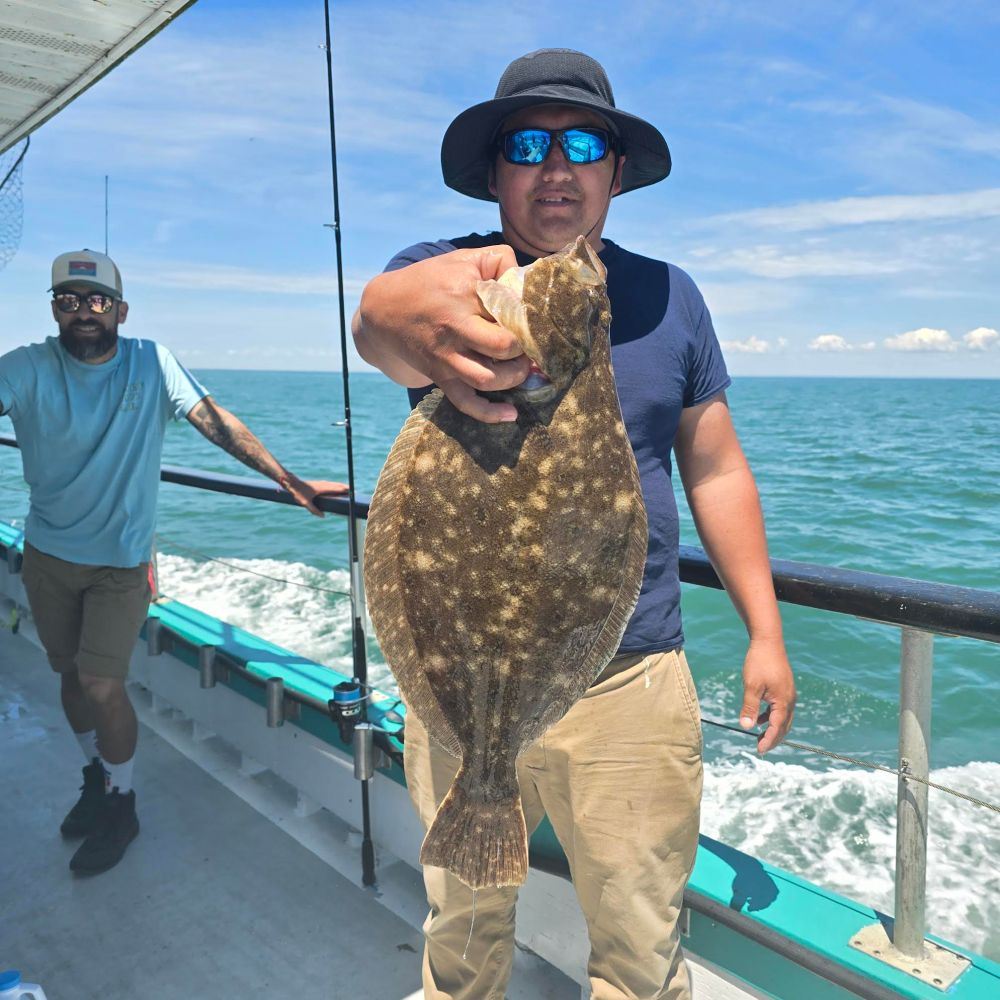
(86, 267)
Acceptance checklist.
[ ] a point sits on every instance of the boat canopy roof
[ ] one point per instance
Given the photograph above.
(51, 51)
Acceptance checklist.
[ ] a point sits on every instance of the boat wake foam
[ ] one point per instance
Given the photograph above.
(837, 828)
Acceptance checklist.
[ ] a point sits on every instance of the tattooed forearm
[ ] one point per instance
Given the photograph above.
(223, 429)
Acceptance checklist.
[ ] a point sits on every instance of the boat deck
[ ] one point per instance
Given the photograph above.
(241, 881)
(225, 893)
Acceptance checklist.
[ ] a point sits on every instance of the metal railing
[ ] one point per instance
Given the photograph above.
(918, 608)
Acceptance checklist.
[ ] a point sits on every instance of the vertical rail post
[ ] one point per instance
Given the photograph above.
(916, 669)
(908, 948)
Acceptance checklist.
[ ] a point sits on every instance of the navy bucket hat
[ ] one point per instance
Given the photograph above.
(548, 76)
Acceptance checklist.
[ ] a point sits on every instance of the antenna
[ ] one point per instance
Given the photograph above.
(105, 215)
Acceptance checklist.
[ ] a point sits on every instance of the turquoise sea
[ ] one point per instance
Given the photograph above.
(893, 476)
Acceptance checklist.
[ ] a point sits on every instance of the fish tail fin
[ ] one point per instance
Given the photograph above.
(482, 843)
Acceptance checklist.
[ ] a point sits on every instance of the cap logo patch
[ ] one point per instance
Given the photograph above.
(87, 267)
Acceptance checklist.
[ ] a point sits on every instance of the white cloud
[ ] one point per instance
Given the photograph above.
(830, 342)
(861, 211)
(228, 278)
(271, 94)
(923, 339)
(931, 293)
(742, 298)
(769, 261)
(752, 345)
(945, 127)
(981, 338)
(833, 342)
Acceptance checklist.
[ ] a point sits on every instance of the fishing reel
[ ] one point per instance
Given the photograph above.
(345, 707)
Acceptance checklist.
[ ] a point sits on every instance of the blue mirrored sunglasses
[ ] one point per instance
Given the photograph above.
(526, 146)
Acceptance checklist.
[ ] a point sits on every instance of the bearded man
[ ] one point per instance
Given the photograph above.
(90, 410)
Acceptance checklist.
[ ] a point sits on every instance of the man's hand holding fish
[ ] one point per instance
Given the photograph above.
(453, 344)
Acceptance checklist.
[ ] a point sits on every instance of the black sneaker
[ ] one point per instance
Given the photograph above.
(117, 827)
(82, 818)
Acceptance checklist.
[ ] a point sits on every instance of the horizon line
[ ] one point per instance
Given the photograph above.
(371, 371)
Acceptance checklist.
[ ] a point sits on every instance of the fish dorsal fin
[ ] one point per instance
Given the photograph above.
(502, 300)
(382, 554)
(590, 269)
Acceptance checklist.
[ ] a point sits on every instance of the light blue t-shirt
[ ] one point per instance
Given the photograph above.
(91, 437)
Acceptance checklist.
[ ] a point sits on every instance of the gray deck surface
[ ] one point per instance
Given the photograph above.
(212, 900)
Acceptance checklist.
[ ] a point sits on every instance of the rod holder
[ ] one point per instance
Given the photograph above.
(280, 708)
(14, 560)
(275, 702)
(364, 751)
(155, 636)
(206, 666)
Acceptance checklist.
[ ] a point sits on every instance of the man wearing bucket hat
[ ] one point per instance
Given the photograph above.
(90, 410)
(620, 775)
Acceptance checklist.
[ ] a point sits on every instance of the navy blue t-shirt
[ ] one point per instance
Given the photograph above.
(666, 357)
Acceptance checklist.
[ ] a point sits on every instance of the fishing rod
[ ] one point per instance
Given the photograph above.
(358, 642)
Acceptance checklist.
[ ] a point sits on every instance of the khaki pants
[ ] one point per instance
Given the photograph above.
(620, 777)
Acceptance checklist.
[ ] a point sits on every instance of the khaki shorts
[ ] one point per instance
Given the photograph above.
(87, 617)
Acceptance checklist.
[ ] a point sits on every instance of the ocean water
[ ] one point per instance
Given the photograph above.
(892, 476)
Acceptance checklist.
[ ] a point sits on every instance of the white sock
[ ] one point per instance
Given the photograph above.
(118, 776)
(88, 744)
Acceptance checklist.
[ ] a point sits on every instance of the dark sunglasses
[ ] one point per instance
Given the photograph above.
(70, 302)
(527, 146)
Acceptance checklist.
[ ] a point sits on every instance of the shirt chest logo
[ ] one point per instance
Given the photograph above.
(132, 398)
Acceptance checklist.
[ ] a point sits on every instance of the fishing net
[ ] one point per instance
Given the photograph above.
(11, 162)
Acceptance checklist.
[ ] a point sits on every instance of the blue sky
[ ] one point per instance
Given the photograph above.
(835, 192)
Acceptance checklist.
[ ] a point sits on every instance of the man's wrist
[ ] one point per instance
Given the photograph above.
(766, 637)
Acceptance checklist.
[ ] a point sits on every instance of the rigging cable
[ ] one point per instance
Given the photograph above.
(358, 642)
(252, 572)
(898, 772)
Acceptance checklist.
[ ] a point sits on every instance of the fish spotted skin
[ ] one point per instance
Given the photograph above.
(503, 561)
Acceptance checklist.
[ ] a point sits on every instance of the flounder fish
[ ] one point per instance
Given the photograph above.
(503, 561)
